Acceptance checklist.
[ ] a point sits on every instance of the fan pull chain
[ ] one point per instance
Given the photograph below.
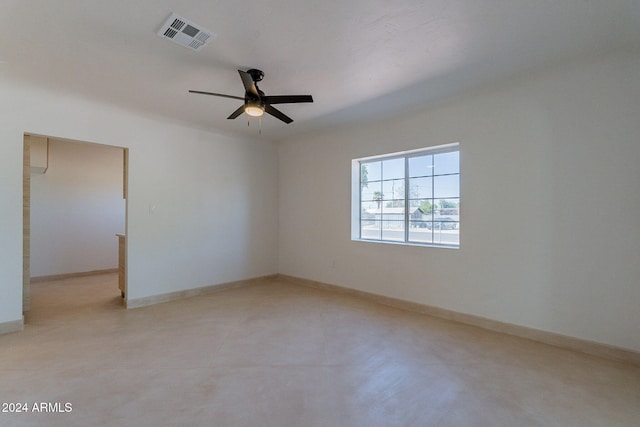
(260, 125)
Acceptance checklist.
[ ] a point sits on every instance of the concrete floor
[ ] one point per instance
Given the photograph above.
(277, 354)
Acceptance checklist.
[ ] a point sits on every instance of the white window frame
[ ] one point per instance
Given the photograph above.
(356, 226)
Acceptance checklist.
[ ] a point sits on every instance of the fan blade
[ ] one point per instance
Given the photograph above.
(248, 83)
(287, 99)
(236, 113)
(277, 114)
(216, 94)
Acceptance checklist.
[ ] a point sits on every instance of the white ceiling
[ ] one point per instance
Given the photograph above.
(360, 59)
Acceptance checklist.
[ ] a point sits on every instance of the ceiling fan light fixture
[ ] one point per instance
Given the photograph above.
(254, 110)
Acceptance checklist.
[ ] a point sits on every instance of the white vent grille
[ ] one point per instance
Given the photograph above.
(185, 33)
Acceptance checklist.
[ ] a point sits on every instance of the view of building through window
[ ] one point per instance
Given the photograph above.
(412, 197)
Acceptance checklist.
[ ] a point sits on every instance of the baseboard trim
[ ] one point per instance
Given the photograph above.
(11, 326)
(550, 338)
(187, 293)
(72, 275)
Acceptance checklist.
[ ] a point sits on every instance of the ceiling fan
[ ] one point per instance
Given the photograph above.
(256, 103)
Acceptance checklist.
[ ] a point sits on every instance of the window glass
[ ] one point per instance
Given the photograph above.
(393, 189)
(370, 171)
(393, 169)
(418, 206)
(420, 166)
(445, 163)
(393, 230)
(420, 188)
(446, 186)
(372, 230)
(371, 191)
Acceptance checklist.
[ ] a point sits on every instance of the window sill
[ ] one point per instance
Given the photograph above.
(412, 244)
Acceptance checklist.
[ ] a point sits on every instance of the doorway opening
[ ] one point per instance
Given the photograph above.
(74, 213)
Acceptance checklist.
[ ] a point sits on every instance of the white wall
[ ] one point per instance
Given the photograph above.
(76, 209)
(550, 231)
(216, 216)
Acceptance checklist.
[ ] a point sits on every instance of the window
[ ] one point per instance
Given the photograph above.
(410, 197)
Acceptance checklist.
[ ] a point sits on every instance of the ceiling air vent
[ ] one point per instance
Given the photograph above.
(184, 32)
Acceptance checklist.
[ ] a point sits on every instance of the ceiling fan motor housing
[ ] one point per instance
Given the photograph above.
(256, 75)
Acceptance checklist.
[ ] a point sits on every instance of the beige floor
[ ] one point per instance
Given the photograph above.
(276, 354)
